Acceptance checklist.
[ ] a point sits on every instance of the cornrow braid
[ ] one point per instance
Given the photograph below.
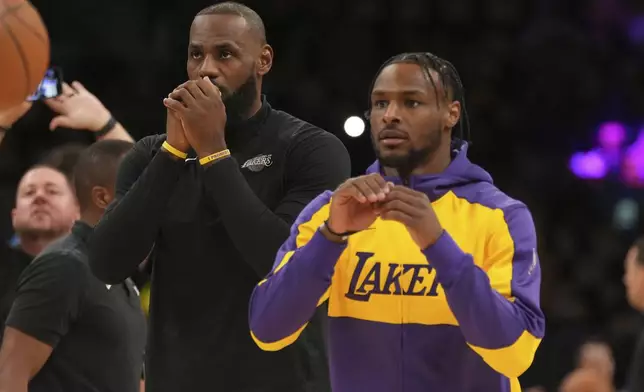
(449, 78)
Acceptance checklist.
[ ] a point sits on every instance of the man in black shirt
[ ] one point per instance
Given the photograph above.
(68, 331)
(45, 210)
(217, 204)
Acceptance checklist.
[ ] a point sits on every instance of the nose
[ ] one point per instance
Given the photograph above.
(209, 68)
(392, 114)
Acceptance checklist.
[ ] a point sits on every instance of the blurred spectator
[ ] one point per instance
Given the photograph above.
(597, 356)
(45, 210)
(585, 380)
(634, 282)
(66, 328)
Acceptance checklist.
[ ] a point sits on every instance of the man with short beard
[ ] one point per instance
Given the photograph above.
(431, 273)
(45, 210)
(214, 199)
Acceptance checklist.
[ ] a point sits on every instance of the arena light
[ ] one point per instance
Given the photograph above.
(590, 165)
(354, 126)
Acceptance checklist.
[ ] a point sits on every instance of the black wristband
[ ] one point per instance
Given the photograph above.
(345, 234)
(111, 123)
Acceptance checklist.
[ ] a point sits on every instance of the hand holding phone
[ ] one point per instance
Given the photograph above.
(77, 108)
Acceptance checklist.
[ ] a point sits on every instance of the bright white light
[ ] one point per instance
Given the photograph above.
(354, 126)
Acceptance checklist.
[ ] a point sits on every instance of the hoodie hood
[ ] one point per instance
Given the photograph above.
(460, 172)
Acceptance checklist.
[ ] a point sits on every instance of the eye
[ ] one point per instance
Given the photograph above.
(195, 54)
(410, 103)
(224, 54)
(380, 104)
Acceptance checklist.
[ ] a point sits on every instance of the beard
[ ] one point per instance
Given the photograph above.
(406, 163)
(46, 227)
(238, 103)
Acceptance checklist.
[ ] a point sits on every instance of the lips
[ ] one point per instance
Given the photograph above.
(40, 211)
(392, 137)
(392, 134)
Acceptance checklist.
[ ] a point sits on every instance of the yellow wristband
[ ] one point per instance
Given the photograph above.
(174, 151)
(214, 157)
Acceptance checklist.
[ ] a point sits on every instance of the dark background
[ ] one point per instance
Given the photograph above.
(539, 77)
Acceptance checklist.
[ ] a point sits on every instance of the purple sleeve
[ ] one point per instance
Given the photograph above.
(494, 323)
(282, 304)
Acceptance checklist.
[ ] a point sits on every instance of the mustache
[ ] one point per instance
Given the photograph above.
(392, 131)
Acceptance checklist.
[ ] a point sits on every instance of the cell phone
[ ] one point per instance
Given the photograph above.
(51, 85)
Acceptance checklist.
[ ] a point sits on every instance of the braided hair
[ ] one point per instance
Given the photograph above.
(448, 76)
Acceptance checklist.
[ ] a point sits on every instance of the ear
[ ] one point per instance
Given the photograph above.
(101, 197)
(265, 60)
(13, 217)
(452, 114)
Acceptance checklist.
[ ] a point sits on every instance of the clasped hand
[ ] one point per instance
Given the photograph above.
(196, 117)
(358, 202)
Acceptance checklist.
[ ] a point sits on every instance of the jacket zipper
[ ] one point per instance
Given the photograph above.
(406, 181)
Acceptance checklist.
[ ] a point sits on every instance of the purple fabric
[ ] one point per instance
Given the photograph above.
(287, 300)
(373, 356)
(380, 357)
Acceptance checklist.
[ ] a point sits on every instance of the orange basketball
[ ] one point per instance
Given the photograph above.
(24, 51)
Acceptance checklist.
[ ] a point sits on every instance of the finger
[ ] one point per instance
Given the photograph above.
(67, 90)
(182, 85)
(398, 216)
(377, 189)
(365, 189)
(413, 198)
(209, 87)
(55, 104)
(60, 122)
(174, 105)
(182, 95)
(350, 191)
(195, 90)
(79, 87)
(378, 186)
(401, 206)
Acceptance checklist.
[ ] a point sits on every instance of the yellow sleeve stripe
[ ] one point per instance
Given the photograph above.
(280, 344)
(281, 265)
(500, 255)
(305, 232)
(514, 360)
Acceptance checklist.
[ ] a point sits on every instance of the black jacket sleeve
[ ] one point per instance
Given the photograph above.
(317, 162)
(125, 235)
(49, 297)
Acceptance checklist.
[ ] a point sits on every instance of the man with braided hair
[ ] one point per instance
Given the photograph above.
(431, 272)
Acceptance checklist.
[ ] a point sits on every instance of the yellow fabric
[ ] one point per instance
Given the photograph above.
(388, 279)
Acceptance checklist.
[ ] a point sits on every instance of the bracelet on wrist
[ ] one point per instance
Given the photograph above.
(341, 236)
(109, 126)
(213, 157)
(174, 151)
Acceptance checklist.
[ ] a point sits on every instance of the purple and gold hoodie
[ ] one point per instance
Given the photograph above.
(460, 316)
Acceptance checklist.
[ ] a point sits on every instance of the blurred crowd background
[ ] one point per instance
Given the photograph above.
(544, 80)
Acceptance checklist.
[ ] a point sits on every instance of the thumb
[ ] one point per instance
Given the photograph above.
(59, 121)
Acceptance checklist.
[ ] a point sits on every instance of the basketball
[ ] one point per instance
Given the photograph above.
(24, 49)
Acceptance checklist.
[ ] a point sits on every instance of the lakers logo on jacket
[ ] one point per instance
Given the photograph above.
(462, 315)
